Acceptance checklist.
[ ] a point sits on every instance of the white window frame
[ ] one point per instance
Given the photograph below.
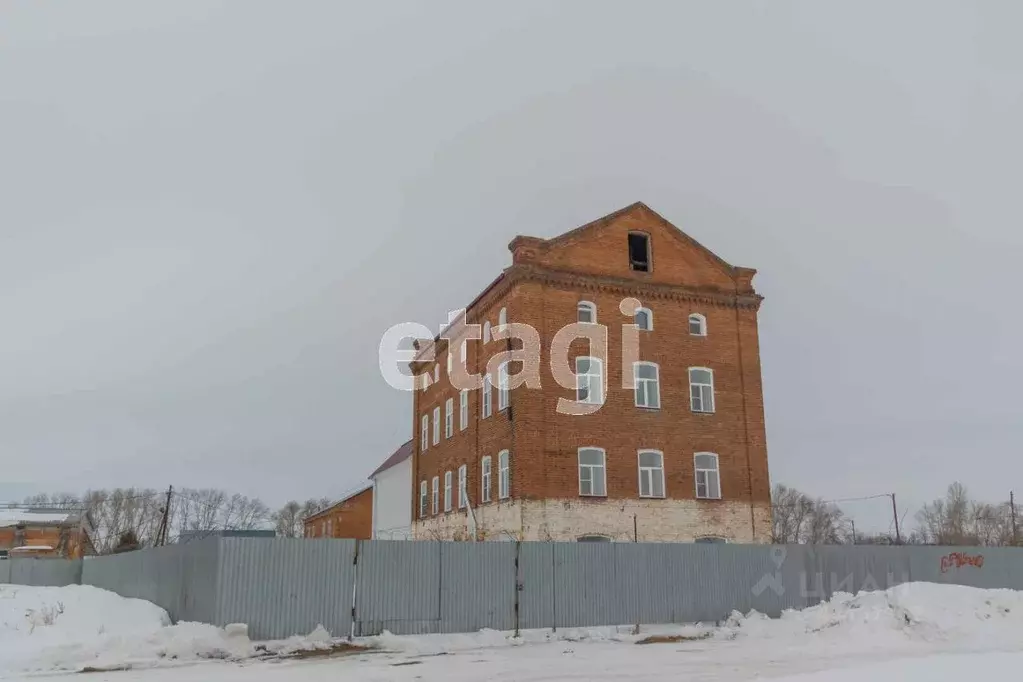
(707, 476)
(650, 475)
(436, 425)
(436, 495)
(487, 403)
(649, 316)
(503, 475)
(424, 438)
(701, 321)
(447, 490)
(463, 410)
(590, 309)
(486, 332)
(436, 373)
(502, 318)
(503, 392)
(423, 498)
(643, 386)
(592, 470)
(704, 391)
(486, 470)
(462, 353)
(588, 378)
(463, 493)
(451, 360)
(449, 417)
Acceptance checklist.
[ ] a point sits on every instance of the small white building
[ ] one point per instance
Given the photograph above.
(392, 496)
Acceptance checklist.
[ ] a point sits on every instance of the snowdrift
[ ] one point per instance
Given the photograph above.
(81, 627)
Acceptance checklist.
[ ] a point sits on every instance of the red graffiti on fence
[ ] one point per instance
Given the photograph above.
(960, 559)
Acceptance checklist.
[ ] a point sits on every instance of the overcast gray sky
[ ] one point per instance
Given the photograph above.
(211, 211)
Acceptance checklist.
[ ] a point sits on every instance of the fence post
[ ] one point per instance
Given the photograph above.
(355, 588)
(518, 585)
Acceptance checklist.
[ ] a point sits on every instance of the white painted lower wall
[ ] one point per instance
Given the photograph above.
(392, 503)
(619, 520)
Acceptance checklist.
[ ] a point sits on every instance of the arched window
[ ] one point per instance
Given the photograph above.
(503, 395)
(589, 380)
(701, 389)
(708, 476)
(697, 325)
(645, 319)
(502, 318)
(592, 475)
(648, 384)
(651, 473)
(587, 312)
(486, 332)
(710, 539)
(593, 538)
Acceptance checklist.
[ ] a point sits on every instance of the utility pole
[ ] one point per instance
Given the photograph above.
(635, 529)
(853, 522)
(161, 534)
(895, 515)
(1012, 515)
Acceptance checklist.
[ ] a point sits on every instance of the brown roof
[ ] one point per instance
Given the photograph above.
(399, 456)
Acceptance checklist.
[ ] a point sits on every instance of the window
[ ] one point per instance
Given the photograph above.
(436, 494)
(639, 251)
(330, 528)
(503, 396)
(697, 325)
(462, 353)
(485, 479)
(593, 538)
(449, 417)
(589, 380)
(422, 500)
(463, 494)
(323, 528)
(424, 441)
(451, 360)
(436, 425)
(486, 332)
(710, 539)
(436, 373)
(591, 472)
(645, 319)
(701, 389)
(502, 318)
(463, 410)
(651, 473)
(486, 405)
(503, 475)
(447, 491)
(708, 478)
(648, 384)
(587, 312)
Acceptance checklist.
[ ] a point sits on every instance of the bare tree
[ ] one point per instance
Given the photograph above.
(199, 511)
(800, 519)
(289, 520)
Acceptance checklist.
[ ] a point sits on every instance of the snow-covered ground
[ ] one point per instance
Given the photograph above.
(913, 632)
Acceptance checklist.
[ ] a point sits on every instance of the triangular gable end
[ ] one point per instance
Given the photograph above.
(599, 247)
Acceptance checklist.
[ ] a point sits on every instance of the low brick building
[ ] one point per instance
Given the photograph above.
(349, 517)
(680, 457)
(44, 532)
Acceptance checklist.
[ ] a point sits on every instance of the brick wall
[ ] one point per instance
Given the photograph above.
(543, 289)
(352, 518)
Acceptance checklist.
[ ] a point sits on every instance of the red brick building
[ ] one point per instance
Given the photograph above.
(349, 517)
(680, 457)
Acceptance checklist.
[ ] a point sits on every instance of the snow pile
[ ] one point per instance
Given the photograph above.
(79, 626)
(920, 612)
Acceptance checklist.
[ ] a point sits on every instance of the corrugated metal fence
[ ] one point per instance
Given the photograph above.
(282, 587)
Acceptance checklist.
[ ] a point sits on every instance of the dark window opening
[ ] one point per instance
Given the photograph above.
(639, 252)
(593, 538)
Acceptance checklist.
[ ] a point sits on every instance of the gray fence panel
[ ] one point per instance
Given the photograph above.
(585, 586)
(286, 586)
(398, 587)
(199, 571)
(952, 565)
(44, 572)
(5, 571)
(767, 579)
(857, 569)
(536, 580)
(647, 579)
(477, 586)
